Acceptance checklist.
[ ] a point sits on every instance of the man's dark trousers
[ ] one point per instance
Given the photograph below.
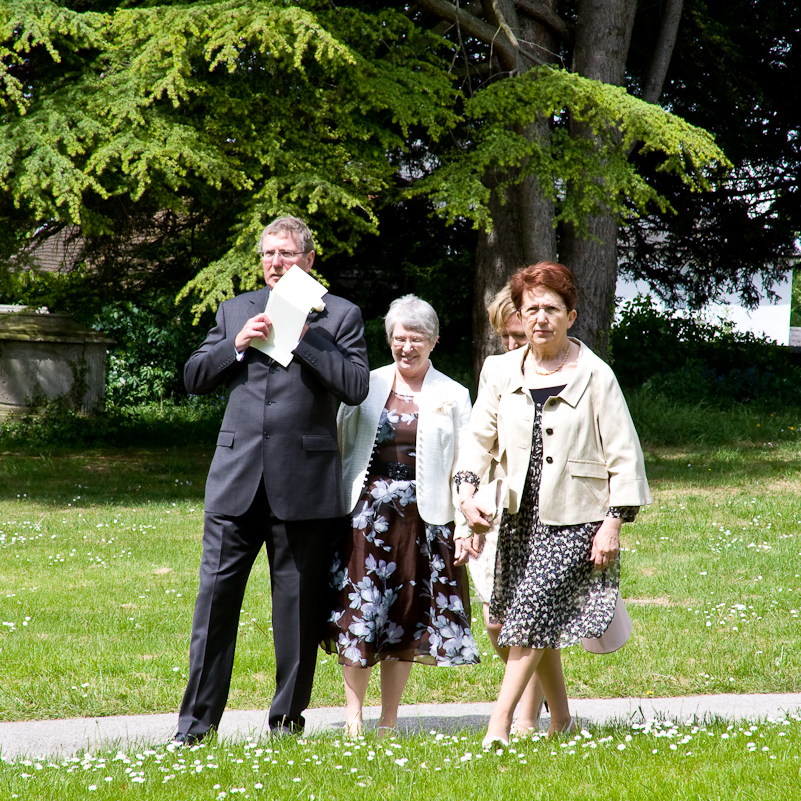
(299, 554)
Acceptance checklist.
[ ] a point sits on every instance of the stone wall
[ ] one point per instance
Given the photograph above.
(50, 357)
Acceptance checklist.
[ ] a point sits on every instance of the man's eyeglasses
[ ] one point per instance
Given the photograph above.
(285, 255)
(550, 311)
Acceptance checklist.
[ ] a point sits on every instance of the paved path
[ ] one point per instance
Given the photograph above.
(67, 737)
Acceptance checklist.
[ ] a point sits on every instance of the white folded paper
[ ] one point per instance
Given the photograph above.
(288, 307)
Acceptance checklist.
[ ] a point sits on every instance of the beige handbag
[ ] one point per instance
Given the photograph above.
(615, 636)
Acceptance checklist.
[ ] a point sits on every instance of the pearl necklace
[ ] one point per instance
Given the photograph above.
(549, 372)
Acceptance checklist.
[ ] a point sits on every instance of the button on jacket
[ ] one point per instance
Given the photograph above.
(444, 409)
(591, 453)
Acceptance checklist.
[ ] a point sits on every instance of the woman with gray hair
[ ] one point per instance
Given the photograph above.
(398, 596)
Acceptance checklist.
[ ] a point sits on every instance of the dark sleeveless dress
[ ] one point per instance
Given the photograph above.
(397, 593)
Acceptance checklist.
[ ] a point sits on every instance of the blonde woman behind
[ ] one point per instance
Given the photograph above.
(505, 320)
(508, 326)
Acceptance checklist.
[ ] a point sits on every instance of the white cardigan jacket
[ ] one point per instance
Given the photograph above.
(444, 411)
(591, 453)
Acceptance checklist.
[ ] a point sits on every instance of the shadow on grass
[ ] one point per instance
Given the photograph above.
(158, 455)
(123, 476)
(120, 476)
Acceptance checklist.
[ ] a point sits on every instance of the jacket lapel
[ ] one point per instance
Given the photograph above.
(371, 408)
(578, 383)
(250, 305)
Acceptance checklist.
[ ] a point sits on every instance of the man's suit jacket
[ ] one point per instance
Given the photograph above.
(280, 423)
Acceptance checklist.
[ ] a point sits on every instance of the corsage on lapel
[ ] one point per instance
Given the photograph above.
(315, 310)
(439, 401)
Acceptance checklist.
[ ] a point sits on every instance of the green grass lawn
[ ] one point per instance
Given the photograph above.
(99, 553)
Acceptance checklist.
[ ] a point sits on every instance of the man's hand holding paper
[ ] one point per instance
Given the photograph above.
(256, 328)
(286, 312)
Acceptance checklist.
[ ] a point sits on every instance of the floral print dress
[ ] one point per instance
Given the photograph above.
(397, 593)
(547, 592)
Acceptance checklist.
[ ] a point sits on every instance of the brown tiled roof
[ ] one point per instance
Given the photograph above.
(56, 253)
(62, 250)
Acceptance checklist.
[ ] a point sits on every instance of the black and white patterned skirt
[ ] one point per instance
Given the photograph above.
(547, 592)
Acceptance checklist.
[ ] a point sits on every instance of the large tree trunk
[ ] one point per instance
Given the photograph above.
(522, 33)
(660, 60)
(523, 234)
(523, 231)
(593, 261)
(603, 36)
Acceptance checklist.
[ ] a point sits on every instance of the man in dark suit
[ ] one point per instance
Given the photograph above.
(275, 480)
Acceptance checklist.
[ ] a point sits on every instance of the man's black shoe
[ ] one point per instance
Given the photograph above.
(182, 739)
(287, 729)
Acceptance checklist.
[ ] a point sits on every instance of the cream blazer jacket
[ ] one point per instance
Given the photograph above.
(591, 453)
(444, 407)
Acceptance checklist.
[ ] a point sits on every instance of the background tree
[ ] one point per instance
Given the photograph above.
(171, 133)
(734, 71)
(506, 40)
(730, 68)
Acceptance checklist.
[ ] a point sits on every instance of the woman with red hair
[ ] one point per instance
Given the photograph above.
(554, 419)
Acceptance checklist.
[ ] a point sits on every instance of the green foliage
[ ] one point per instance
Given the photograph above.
(692, 360)
(246, 110)
(56, 291)
(583, 175)
(221, 115)
(795, 301)
(664, 420)
(734, 71)
(164, 423)
(154, 340)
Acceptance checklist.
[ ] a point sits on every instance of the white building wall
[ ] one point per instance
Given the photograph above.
(771, 320)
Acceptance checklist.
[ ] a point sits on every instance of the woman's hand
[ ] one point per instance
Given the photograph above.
(478, 520)
(466, 547)
(478, 517)
(606, 543)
